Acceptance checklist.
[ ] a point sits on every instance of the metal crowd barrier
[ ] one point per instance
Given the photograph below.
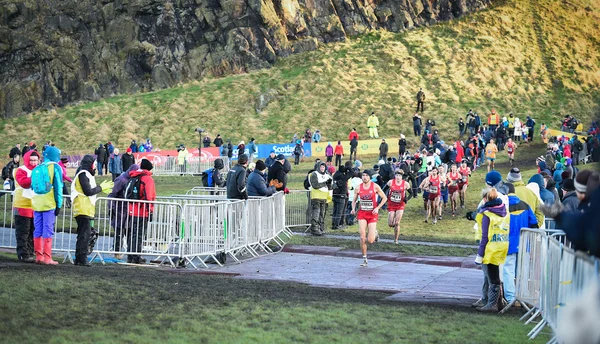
(207, 191)
(169, 166)
(550, 275)
(297, 209)
(181, 228)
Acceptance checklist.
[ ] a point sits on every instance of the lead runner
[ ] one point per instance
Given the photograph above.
(369, 211)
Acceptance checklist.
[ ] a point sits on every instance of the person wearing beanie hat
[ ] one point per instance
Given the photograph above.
(368, 214)
(139, 212)
(402, 145)
(236, 179)
(257, 184)
(277, 173)
(570, 200)
(526, 195)
(127, 159)
(46, 204)
(514, 175)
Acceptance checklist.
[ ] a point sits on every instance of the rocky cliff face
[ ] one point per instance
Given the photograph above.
(54, 52)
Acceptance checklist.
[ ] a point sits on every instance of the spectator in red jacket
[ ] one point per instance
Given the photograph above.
(339, 153)
(353, 134)
(139, 213)
(22, 206)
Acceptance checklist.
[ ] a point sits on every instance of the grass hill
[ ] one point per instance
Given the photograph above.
(529, 57)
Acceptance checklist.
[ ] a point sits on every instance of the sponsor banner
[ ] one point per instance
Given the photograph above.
(287, 149)
(558, 133)
(158, 157)
(365, 147)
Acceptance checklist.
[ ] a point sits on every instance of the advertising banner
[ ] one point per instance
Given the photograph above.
(287, 149)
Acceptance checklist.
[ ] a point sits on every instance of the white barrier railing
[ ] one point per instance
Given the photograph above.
(297, 209)
(169, 166)
(207, 191)
(181, 228)
(550, 276)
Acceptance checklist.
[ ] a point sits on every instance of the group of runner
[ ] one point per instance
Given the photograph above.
(441, 186)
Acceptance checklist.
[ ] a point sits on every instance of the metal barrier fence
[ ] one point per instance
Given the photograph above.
(169, 166)
(175, 229)
(550, 275)
(207, 191)
(297, 209)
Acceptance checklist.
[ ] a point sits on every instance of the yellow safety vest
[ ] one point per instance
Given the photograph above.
(498, 231)
(46, 201)
(83, 205)
(22, 196)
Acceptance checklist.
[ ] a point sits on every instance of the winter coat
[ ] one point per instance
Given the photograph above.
(521, 216)
(22, 179)
(83, 190)
(529, 197)
(570, 202)
(182, 156)
(339, 150)
(383, 149)
(329, 150)
(257, 186)
(402, 146)
(101, 154)
(126, 161)
(54, 198)
(115, 164)
(495, 229)
(236, 183)
(218, 142)
(277, 171)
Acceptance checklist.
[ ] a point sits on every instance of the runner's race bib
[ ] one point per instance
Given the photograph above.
(509, 150)
(464, 179)
(366, 205)
(396, 197)
(433, 189)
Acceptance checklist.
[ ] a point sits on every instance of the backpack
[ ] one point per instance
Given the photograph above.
(5, 172)
(133, 188)
(207, 178)
(40, 179)
(297, 150)
(307, 182)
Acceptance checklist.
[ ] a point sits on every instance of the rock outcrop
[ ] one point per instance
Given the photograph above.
(55, 52)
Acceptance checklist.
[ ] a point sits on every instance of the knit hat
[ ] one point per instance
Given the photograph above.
(540, 158)
(568, 185)
(242, 159)
(260, 165)
(376, 167)
(402, 136)
(565, 175)
(581, 181)
(493, 178)
(331, 169)
(514, 175)
(146, 165)
(280, 157)
(128, 150)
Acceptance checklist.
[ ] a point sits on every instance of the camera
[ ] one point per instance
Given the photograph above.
(199, 130)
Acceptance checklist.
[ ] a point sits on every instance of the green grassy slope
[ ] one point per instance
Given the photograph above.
(529, 57)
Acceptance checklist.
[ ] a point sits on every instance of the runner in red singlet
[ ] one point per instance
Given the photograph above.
(397, 200)
(454, 177)
(433, 186)
(369, 211)
(465, 172)
(511, 147)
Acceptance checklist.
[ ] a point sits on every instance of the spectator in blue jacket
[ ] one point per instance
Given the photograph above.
(521, 216)
(270, 159)
(317, 136)
(115, 165)
(257, 184)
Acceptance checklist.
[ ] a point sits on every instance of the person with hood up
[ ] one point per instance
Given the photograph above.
(219, 165)
(139, 213)
(401, 146)
(22, 208)
(46, 206)
(329, 152)
(340, 195)
(546, 196)
(7, 171)
(118, 212)
(133, 146)
(567, 150)
(83, 193)
(321, 186)
(551, 186)
(558, 170)
(383, 150)
(494, 222)
(115, 165)
(257, 185)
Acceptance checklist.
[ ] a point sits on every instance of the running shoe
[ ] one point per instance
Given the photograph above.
(453, 214)
(425, 221)
(434, 221)
(364, 263)
(377, 237)
(395, 242)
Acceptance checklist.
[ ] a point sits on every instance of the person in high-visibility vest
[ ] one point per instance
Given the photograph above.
(493, 120)
(22, 206)
(372, 124)
(83, 193)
